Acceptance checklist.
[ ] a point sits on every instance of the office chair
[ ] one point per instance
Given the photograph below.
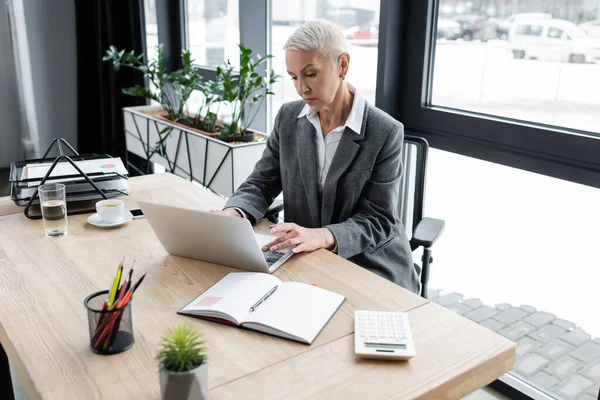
(422, 232)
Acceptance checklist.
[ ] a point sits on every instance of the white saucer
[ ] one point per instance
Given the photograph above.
(95, 220)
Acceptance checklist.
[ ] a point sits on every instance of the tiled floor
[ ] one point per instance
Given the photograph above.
(553, 354)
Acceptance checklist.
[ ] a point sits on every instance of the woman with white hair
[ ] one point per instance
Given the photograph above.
(337, 160)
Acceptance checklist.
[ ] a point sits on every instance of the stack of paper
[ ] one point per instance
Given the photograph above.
(101, 166)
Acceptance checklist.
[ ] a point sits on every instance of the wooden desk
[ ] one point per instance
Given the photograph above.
(43, 324)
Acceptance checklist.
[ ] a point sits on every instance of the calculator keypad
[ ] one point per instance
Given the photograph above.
(381, 327)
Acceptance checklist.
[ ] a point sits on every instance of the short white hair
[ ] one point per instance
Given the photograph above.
(320, 35)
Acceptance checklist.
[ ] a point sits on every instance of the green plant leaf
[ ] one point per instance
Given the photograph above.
(181, 349)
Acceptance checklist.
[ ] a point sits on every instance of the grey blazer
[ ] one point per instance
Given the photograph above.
(360, 197)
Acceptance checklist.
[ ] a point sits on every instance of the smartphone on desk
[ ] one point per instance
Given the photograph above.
(137, 213)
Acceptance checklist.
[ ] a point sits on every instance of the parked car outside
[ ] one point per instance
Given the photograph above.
(592, 28)
(502, 27)
(552, 40)
(364, 35)
(476, 27)
(448, 29)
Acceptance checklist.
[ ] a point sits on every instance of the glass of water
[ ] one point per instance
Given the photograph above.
(54, 208)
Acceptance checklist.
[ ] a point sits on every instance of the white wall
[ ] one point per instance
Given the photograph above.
(10, 125)
(53, 55)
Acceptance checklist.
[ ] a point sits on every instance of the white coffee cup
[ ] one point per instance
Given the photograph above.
(110, 210)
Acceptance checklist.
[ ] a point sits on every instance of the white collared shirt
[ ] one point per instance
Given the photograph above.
(327, 145)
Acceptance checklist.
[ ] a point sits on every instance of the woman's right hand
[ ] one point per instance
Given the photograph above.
(232, 212)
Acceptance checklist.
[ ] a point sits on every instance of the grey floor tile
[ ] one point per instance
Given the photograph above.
(556, 349)
(473, 303)
(544, 381)
(448, 299)
(547, 333)
(592, 371)
(576, 337)
(594, 390)
(576, 385)
(587, 352)
(540, 319)
(526, 345)
(482, 313)
(492, 324)
(511, 315)
(459, 308)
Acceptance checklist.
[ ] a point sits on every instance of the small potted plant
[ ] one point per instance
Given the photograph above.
(183, 369)
(245, 89)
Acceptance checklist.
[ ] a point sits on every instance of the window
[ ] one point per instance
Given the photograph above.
(535, 30)
(360, 23)
(507, 92)
(518, 78)
(151, 28)
(213, 31)
(555, 33)
(523, 75)
(531, 30)
(516, 260)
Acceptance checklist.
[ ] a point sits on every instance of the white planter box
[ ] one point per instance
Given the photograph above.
(220, 166)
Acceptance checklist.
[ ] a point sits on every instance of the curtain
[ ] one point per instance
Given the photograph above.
(100, 24)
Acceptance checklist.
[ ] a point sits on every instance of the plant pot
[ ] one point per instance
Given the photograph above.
(220, 166)
(190, 385)
(163, 117)
(189, 128)
(245, 139)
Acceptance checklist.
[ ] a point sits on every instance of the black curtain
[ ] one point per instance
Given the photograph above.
(100, 24)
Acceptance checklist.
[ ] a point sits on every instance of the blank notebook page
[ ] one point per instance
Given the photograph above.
(298, 309)
(234, 294)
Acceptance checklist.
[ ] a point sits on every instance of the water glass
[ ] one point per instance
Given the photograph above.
(54, 208)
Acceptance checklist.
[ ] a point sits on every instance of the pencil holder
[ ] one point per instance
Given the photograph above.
(111, 331)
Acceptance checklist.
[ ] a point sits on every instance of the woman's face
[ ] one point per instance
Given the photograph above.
(315, 77)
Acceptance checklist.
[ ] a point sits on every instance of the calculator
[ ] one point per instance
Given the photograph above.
(382, 334)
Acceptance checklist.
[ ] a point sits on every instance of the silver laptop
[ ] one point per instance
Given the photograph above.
(213, 238)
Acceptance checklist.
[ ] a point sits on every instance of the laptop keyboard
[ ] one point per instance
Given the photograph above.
(271, 257)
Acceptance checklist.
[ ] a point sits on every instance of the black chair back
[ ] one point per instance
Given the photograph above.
(412, 185)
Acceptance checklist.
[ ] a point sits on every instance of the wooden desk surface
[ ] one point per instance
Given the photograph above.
(455, 357)
(43, 324)
(137, 184)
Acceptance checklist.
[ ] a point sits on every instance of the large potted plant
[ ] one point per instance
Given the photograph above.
(170, 89)
(183, 365)
(178, 139)
(245, 89)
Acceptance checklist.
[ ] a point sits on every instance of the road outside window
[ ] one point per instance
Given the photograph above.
(520, 59)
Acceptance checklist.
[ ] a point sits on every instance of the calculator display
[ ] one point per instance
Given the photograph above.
(385, 346)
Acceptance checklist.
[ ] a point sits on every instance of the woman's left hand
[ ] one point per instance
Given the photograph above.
(305, 239)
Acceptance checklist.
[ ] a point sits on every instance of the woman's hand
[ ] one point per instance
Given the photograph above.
(305, 239)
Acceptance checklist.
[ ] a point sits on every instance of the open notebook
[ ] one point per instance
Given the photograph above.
(291, 310)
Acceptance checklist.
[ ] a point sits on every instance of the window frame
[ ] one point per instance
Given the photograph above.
(563, 153)
(172, 30)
